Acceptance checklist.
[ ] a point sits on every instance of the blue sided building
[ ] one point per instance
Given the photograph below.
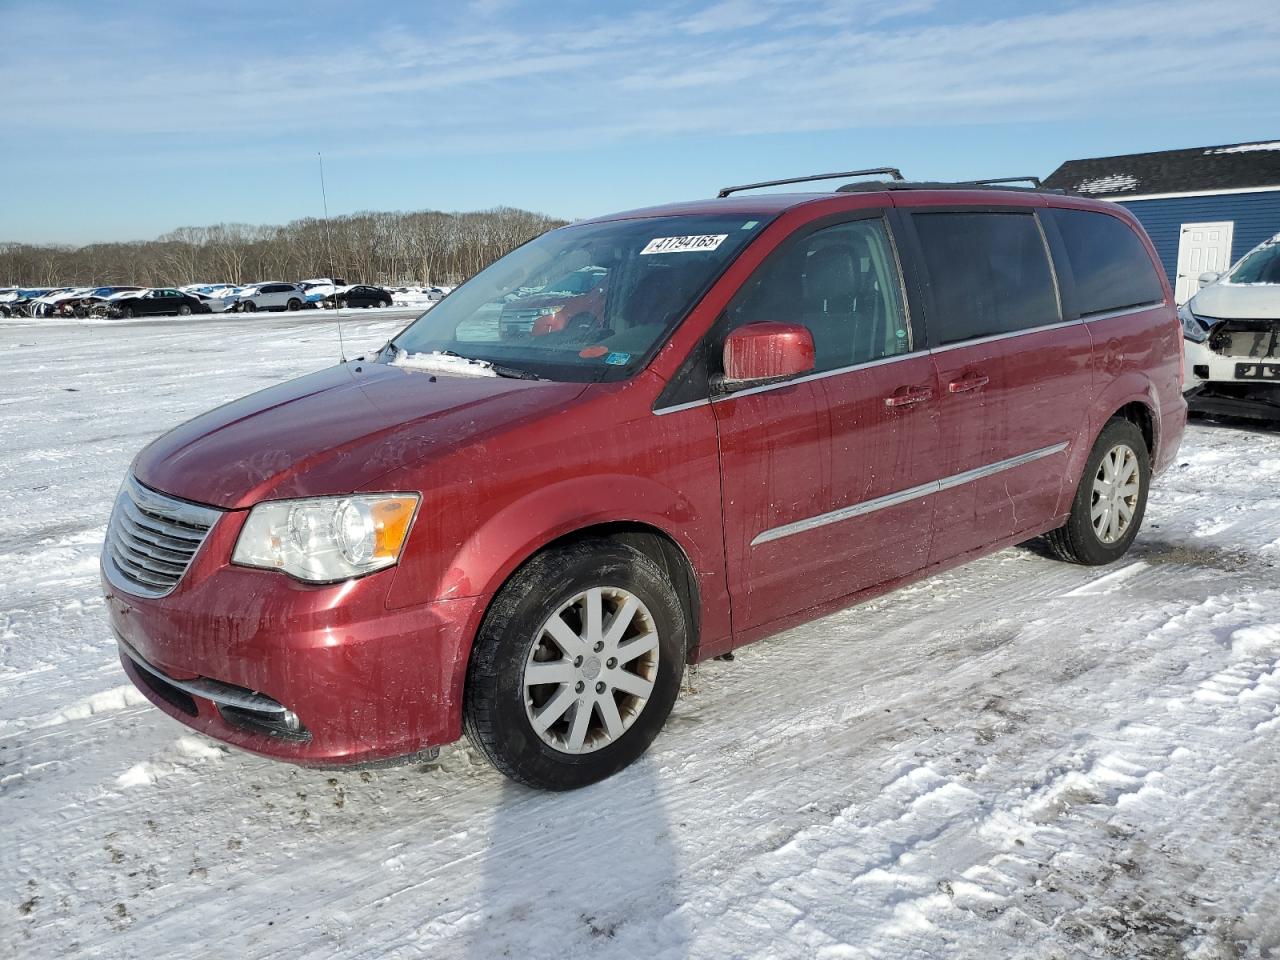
(1204, 207)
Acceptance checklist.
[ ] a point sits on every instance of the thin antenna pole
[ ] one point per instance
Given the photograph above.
(328, 239)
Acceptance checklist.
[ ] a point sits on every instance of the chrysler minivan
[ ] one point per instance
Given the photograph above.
(788, 403)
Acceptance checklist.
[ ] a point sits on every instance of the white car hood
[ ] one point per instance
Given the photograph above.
(1237, 301)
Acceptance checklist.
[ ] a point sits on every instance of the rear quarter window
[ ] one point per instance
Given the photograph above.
(1109, 263)
(989, 274)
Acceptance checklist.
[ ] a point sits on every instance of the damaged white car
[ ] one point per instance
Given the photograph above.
(1232, 333)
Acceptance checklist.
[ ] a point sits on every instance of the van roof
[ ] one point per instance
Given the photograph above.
(772, 204)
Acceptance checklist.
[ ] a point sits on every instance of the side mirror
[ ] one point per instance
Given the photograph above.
(764, 352)
(1208, 277)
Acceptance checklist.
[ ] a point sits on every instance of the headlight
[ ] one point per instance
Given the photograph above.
(326, 539)
(1193, 328)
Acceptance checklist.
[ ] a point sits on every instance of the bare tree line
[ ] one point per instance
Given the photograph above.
(424, 247)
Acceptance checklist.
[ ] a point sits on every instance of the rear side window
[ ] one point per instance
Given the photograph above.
(989, 274)
(842, 283)
(1111, 267)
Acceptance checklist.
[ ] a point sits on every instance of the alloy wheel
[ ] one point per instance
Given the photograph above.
(1116, 486)
(591, 670)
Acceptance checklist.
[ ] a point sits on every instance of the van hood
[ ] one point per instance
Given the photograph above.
(1237, 301)
(335, 431)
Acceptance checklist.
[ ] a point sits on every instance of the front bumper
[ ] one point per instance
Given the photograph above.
(1212, 387)
(312, 675)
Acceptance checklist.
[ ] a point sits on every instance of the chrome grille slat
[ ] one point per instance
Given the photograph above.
(181, 538)
(147, 560)
(152, 539)
(153, 549)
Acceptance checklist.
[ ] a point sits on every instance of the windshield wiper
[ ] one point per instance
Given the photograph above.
(501, 369)
(515, 373)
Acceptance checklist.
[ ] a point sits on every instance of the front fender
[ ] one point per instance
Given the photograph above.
(496, 549)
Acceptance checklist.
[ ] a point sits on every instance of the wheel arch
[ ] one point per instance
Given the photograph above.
(1129, 397)
(656, 543)
(1141, 416)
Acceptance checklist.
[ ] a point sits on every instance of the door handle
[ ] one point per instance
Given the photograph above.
(907, 396)
(965, 384)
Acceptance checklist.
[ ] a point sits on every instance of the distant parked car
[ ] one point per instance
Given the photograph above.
(80, 303)
(160, 302)
(316, 290)
(358, 295)
(217, 299)
(20, 303)
(271, 296)
(1232, 338)
(50, 303)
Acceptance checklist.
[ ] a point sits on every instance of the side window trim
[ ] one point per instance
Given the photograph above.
(1053, 271)
(1063, 276)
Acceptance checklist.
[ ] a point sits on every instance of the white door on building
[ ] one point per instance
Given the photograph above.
(1201, 247)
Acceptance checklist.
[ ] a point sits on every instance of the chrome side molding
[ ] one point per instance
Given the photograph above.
(903, 496)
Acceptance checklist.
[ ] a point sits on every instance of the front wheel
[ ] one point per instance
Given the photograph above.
(295, 304)
(248, 306)
(1107, 511)
(576, 666)
(184, 311)
(384, 304)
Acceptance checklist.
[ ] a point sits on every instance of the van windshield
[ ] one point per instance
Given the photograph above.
(583, 303)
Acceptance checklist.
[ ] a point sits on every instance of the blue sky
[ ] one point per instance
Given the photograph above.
(123, 121)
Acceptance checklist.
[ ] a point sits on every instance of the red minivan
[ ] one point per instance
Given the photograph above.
(787, 404)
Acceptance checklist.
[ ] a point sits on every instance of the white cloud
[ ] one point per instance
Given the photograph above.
(506, 77)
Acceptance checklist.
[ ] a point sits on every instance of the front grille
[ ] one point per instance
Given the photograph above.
(521, 319)
(152, 538)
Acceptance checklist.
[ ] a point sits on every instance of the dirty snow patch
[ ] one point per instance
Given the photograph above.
(443, 363)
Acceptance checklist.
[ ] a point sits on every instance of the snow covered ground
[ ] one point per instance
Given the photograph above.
(1019, 758)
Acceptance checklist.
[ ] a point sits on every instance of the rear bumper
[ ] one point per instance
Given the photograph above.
(310, 675)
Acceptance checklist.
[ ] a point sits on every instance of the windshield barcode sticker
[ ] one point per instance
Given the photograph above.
(684, 244)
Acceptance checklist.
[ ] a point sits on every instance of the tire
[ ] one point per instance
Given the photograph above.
(342, 304)
(1095, 541)
(184, 311)
(294, 304)
(248, 306)
(498, 709)
(384, 304)
(128, 313)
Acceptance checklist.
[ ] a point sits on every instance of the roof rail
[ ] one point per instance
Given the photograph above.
(874, 186)
(1034, 181)
(891, 171)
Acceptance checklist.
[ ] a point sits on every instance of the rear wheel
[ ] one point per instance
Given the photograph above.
(576, 666)
(1111, 500)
